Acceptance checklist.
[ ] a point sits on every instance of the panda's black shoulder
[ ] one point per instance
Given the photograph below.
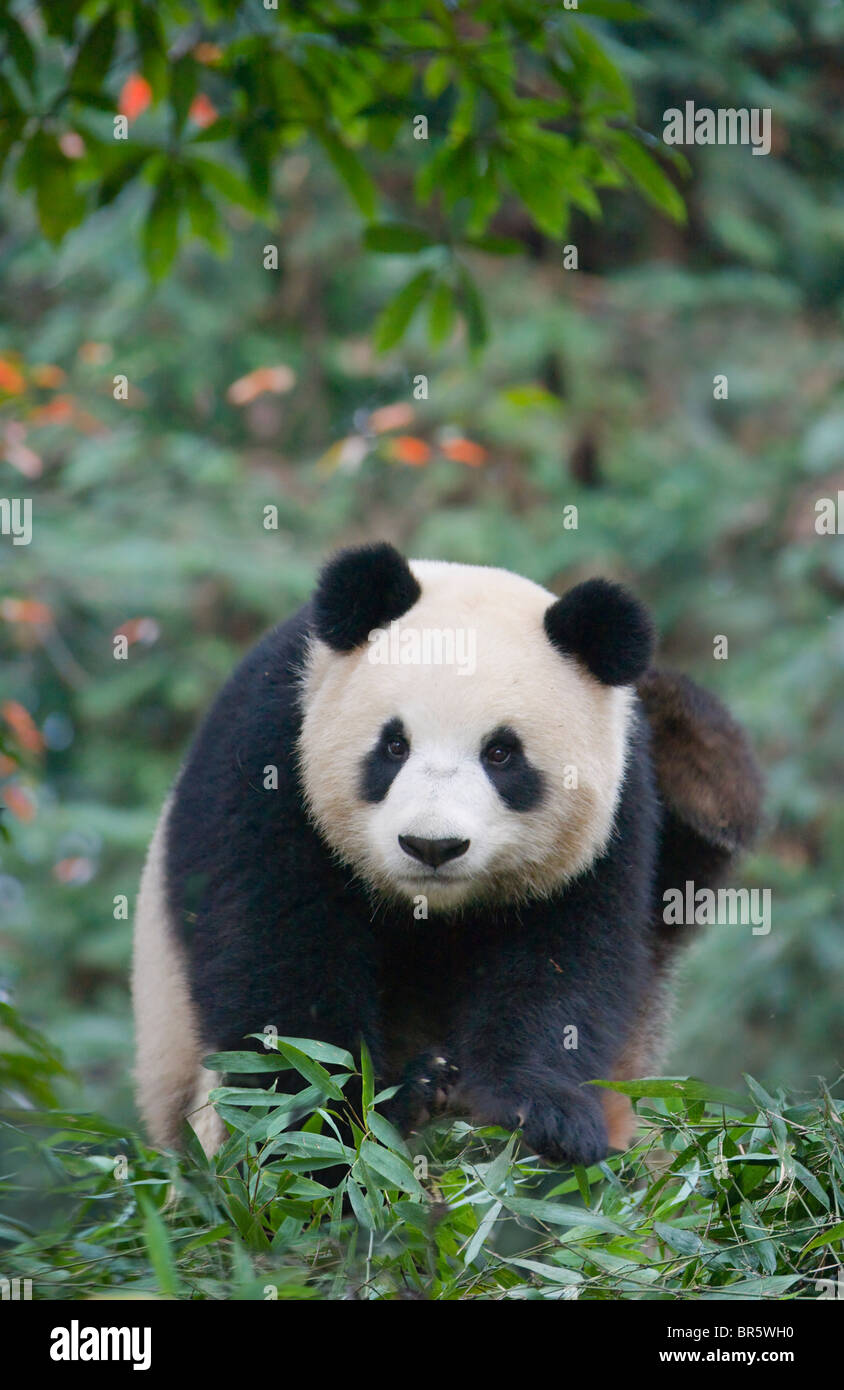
(223, 817)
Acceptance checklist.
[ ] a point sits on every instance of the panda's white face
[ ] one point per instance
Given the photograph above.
(493, 775)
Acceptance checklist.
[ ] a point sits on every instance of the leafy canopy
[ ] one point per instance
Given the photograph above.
(499, 100)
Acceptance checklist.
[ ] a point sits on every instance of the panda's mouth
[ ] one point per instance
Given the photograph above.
(435, 876)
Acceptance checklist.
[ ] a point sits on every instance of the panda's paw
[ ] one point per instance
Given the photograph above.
(563, 1127)
(424, 1089)
(567, 1132)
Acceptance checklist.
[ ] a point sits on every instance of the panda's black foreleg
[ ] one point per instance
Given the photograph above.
(538, 1027)
(312, 976)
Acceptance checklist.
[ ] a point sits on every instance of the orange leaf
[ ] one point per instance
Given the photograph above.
(408, 449)
(202, 111)
(391, 417)
(464, 451)
(246, 388)
(11, 379)
(145, 630)
(7, 765)
(45, 374)
(23, 726)
(76, 869)
(135, 96)
(25, 610)
(94, 354)
(207, 53)
(58, 411)
(19, 802)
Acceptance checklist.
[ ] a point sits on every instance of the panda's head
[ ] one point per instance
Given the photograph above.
(464, 731)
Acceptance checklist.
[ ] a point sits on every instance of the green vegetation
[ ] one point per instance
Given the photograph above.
(269, 414)
(727, 1196)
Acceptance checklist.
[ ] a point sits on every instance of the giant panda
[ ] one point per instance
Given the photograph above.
(464, 867)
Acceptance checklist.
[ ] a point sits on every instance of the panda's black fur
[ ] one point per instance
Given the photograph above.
(275, 931)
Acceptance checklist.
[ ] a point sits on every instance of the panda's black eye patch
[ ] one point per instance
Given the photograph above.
(520, 785)
(384, 761)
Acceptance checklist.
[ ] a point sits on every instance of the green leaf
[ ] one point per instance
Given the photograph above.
(473, 310)
(367, 1077)
(60, 203)
(441, 313)
(553, 1273)
(157, 1241)
(311, 1070)
(396, 238)
(437, 75)
(93, 58)
(203, 214)
(810, 1182)
(387, 1134)
(316, 1145)
(350, 169)
(681, 1241)
(495, 245)
(183, 81)
(121, 175)
(556, 1214)
(20, 48)
(152, 46)
(759, 1094)
(394, 319)
(602, 70)
(531, 397)
(322, 1052)
(359, 1205)
(388, 1165)
(228, 183)
(160, 236)
(826, 1238)
(234, 1062)
(481, 1234)
(646, 174)
(769, 1286)
(620, 11)
(758, 1234)
(500, 1166)
(582, 1181)
(668, 1088)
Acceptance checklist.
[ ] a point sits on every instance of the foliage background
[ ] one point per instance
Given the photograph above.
(595, 388)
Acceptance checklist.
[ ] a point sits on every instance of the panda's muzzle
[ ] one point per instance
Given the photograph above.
(432, 852)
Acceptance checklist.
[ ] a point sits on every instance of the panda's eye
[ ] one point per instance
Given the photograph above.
(397, 747)
(498, 754)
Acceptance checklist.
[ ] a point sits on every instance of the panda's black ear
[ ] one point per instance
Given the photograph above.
(606, 627)
(362, 588)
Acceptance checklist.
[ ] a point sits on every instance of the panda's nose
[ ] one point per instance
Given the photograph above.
(432, 852)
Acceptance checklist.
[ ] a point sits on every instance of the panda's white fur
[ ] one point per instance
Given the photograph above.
(171, 1081)
(573, 728)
